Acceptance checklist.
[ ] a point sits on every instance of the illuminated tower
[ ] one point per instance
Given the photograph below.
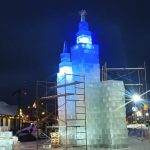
(105, 124)
(65, 110)
(85, 54)
(65, 66)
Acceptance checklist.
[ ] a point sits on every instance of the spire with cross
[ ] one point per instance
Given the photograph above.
(82, 14)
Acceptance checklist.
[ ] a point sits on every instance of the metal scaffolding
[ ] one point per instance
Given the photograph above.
(74, 96)
(73, 93)
(135, 78)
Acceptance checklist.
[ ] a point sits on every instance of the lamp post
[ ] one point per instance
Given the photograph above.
(136, 98)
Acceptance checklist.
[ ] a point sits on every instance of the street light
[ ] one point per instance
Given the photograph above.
(147, 114)
(136, 98)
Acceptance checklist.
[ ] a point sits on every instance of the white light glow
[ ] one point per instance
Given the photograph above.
(65, 70)
(136, 98)
(139, 114)
(84, 39)
(147, 114)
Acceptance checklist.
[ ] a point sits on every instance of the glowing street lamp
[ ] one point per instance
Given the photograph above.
(147, 114)
(43, 113)
(136, 98)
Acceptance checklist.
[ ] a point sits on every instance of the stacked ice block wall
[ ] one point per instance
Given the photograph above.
(85, 61)
(6, 139)
(106, 123)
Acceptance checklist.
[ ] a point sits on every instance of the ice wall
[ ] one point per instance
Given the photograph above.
(6, 141)
(106, 124)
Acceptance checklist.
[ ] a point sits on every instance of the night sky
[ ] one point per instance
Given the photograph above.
(32, 33)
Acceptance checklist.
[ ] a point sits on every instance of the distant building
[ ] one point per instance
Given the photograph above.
(8, 115)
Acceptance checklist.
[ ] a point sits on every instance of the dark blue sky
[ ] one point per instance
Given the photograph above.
(32, 33)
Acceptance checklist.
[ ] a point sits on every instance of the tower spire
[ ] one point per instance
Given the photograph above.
(84, 34)
(65, 49)
(82, 14)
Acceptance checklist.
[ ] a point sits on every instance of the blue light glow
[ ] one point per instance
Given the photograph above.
(84, 39)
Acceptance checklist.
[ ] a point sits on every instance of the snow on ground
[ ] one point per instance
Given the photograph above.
(139, 139)
(137, 126)
(135, 143)
(139, 143)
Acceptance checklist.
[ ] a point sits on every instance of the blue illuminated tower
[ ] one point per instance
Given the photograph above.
(65, 66)
(85, 54)
(106, 125)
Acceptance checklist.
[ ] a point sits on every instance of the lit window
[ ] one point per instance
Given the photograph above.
(84, 39)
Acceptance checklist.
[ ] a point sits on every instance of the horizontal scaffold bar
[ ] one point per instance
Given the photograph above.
(67, 84)
(55, 96)
(111, 69)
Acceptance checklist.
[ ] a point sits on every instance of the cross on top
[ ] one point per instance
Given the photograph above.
(82, 14)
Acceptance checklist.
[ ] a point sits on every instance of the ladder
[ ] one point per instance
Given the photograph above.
(79, 116)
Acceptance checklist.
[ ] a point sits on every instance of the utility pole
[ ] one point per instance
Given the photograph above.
(18, 93)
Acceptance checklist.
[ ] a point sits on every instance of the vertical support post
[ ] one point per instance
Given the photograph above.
(102, 73)
(37, 117)
(19, 112)
(139, 88)
(66, 114)
(75, 102)
(145, 78)
(46, 94)
(37, 120)
(106, 71)
(55, 103)
(85, 113)
(19, 92)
